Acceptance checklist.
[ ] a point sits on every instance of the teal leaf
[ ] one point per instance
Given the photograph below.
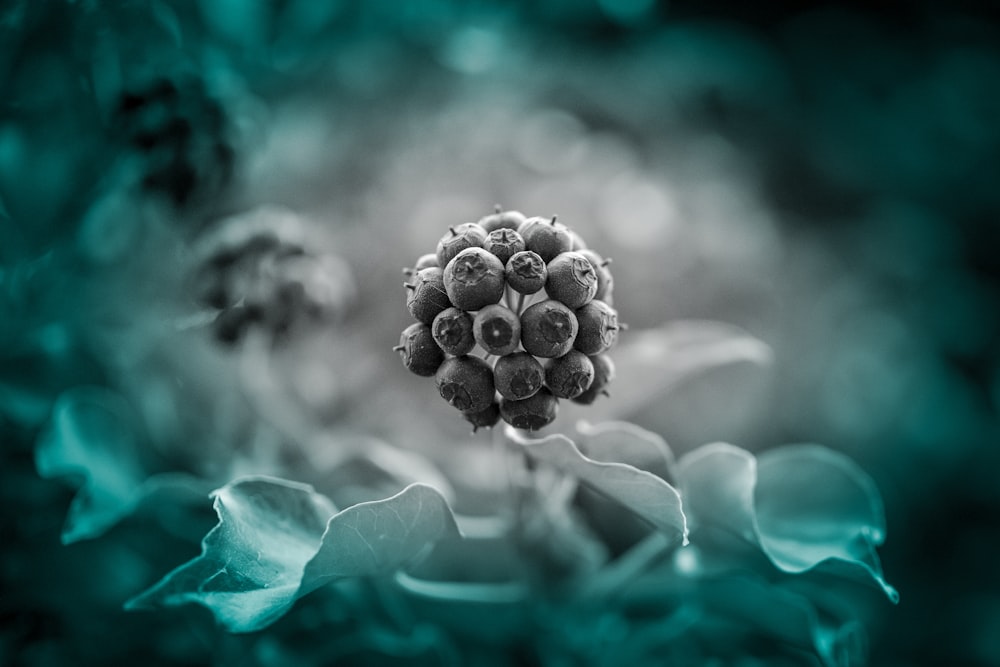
(717, 483)
(380, 536)
(92, 437)
(643, 493)
(655, 361)
(813, 505)
(92, 440)
(278, 540)
(252, 561)
(622, 442)
(804, 506)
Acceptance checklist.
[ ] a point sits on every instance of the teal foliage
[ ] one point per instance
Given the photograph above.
(802, 507)
(176, 174)
(278, 540)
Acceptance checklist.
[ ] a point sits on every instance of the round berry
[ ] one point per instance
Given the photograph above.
(518, 376)
(427, 295)
(572, 279)
(604, 373)
(503, 243)
(532, 413)
(605, 281)
(473, 279)
(501, 220)
(484, 418)
(419, 352)
(548, 329)
(466, 383)
(497, 329)
(577, 242)
(598, 328)
(458, 238)
(452, 330)
(427, 261)
(526, 272)
(546, 236)
(570, 375)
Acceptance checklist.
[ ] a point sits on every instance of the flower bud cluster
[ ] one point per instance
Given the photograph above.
(513, 314)
(181, 133)
(258, 271)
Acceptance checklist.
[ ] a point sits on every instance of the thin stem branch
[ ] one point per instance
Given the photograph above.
(627, 567)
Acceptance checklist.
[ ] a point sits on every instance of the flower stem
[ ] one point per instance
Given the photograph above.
(616, 575)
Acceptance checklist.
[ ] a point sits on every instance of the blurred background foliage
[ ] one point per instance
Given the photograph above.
(825, 178)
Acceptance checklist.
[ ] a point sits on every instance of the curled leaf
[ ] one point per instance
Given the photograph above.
(805, 506)
(641, 492)
(92, 437)
(622, 442)
(814, 504)
(278, 540)
(717, 483)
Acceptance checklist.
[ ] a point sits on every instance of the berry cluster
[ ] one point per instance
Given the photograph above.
(525, 294)
(181, 132)
(258, 271)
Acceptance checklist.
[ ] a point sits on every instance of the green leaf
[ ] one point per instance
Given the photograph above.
(278, 540)
(380, 536)
(641, 492)
(92, 439)
(814, 504)
(622, 442)
(91, 436)
(717, 483)
(655, 361)
(805, 506)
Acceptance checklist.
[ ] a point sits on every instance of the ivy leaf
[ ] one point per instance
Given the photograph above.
(641, 492)
(380, 536)
(717, 483)
(622, 442)
(805, 506)
(91, 436)
(814, 504)
(706, 609)
(657, 360)
(278, 540)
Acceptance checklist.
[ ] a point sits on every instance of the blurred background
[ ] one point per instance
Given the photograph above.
(828, 179)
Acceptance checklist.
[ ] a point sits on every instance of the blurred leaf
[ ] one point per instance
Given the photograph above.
(652, 362)
(814, 504)
(278, 540)
(92, 436)
(351, 468)
(641, 492)
(805, 506)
